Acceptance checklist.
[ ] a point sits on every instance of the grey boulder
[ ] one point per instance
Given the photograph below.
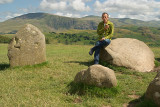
(97, 75)
(153, 90)
(130, 53)
(27, 47)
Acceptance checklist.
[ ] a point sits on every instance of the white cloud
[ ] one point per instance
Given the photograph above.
(69, 8)
(46, 5)
(59, 14)
(5, 1)
(78, 5)
(139, 9)
(74, 5)
(10, 15)
(135, 9)
(68, 14)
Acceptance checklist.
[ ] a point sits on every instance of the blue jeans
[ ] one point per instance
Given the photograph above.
(97, 47)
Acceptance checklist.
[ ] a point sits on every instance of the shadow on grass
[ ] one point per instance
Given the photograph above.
(141, 102)
(32, 66)
(158, 59)
(4, 66)
(157, 62)
(92, 91)
(86, 63)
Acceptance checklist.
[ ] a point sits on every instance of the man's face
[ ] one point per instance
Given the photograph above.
(105, 17)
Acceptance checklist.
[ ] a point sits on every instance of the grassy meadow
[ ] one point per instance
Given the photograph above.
(50, 84)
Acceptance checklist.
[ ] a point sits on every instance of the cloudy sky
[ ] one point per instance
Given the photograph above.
(134, 9)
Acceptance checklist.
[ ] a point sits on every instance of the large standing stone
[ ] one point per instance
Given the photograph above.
(130, 53)
(27, 47)
(153, 90)
(97, 75)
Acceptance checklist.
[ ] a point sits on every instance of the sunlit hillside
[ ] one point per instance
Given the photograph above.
(49, 22)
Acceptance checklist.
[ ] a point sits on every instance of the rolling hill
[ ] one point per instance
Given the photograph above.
(49, 22)
(46, 23)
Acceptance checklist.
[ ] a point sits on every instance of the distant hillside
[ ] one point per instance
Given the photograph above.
(46, 23)
(49, 22)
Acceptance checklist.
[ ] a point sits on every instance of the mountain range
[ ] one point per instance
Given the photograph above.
(53, 23)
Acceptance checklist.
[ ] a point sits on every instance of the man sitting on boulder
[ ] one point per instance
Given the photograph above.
(105, 31)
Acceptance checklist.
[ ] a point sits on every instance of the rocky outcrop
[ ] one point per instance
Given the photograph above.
(97, 75)
(153, 90)
(130, 53)
(27, 47)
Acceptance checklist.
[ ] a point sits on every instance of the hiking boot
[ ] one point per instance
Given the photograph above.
(91, 52)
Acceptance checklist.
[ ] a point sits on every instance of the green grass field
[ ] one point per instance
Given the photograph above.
(51, 84)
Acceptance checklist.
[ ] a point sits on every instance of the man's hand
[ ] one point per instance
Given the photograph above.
(102, 39)
(106, 27)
